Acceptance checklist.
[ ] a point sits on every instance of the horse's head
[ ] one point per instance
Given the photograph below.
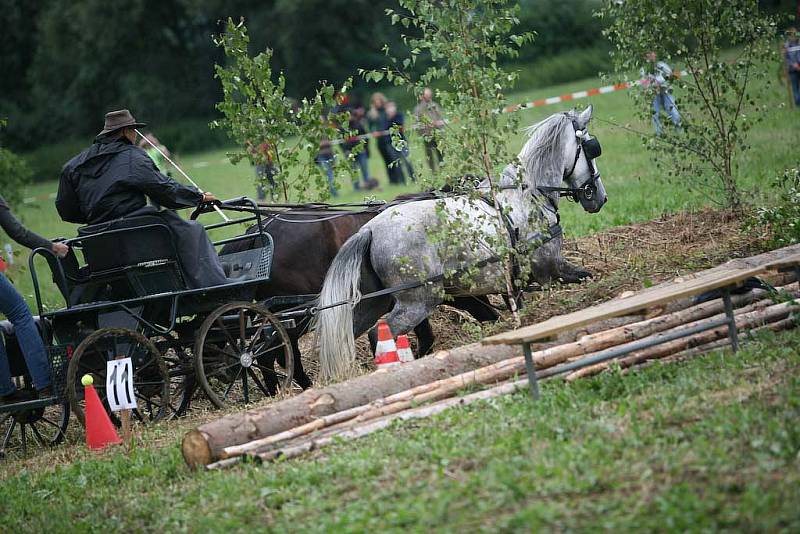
(580, 171)
(560, 149)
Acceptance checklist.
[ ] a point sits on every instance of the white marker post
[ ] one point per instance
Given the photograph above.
(120, 393)
(149, 142)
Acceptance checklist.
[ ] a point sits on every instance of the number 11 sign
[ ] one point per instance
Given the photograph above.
(119, 385)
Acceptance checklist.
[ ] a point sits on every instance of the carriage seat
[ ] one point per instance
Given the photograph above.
(140, 248)
(127, 242)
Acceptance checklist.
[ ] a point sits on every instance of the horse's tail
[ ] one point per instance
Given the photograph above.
(337, 346)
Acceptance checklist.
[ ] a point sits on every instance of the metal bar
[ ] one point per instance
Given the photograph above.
(138, 300)
(29, 405)
(234, 239)
(621, 350)
(732, 333)
(532, 378)
(228, 223)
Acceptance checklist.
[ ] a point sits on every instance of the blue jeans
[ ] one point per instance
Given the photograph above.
(326, 163)
(362, 161)
(13, 306)
(665, 101)
(794, 77)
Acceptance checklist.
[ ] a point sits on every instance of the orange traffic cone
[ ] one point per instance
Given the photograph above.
(385, 351)
(404, 349)
(100, 431)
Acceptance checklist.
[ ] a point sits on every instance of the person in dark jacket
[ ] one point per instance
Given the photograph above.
(113, 178)
(14, 307)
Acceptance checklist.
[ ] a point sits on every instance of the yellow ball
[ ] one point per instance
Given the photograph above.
(87, 380)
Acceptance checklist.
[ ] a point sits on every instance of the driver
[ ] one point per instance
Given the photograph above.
(111, 180)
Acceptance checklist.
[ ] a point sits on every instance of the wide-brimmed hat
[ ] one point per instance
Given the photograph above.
(116, 120)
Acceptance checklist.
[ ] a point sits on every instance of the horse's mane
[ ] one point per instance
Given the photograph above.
(540, 157)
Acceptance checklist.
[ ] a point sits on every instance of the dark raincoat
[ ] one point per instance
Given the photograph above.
(113, 178)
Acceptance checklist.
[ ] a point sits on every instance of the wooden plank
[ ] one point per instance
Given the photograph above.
(704, 281)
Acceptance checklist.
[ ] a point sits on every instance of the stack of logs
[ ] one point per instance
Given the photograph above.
(430, 385)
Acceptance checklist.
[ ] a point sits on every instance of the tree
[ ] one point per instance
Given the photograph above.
(14, 173)
(258, 113)
(463, 43)
(726, 46)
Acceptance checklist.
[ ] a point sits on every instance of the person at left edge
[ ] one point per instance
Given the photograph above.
(16, 310)
(113, 178)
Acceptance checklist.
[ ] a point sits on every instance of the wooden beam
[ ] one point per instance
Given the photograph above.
(725, 276)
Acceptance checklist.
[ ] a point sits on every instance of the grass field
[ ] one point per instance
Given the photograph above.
(708, 444)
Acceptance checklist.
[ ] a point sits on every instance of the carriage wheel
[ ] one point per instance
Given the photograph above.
(182, 381)
(151, 381)
(236, 353)
(38, 427)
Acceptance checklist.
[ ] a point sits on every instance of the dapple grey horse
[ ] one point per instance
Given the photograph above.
(394, 249)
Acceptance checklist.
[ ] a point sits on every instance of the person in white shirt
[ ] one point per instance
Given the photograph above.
(658, 79)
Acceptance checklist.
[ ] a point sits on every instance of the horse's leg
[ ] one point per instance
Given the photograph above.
(300, 376)
(549, 265)
(411, 308)
(425, 338)
(479, 307)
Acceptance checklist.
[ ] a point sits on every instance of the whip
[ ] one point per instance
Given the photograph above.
(149, 142)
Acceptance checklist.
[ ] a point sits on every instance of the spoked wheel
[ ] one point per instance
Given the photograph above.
(151, 382)
(242, 355)
(180, 368)
(33, 428)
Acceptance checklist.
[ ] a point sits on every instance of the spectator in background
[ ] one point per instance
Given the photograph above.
(791, 50)
(325, 159)
(361, 159)
(377, 121)
(355, 129)
(658, 76)
(428, 115)
(400, 154)
(265, 170)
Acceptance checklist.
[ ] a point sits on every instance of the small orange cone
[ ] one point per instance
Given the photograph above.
(385, 351)
(404, 349)
(100, 431)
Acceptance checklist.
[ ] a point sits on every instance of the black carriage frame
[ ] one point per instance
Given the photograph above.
(179, 302)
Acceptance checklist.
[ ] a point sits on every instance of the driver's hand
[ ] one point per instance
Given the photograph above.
(60, 249)
(208, 197)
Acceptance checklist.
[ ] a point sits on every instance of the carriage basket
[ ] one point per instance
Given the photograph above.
(59, 361)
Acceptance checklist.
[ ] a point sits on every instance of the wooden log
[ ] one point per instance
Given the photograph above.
(444, 388)
(743, 321)
(384, 406)
(778, 326)
(303, 414)
(356, 431)
(632, 332)
(203, 445)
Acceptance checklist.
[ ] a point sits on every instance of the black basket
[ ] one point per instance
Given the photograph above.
(59, 360)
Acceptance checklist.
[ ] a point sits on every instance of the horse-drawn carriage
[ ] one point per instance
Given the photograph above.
(125, 296)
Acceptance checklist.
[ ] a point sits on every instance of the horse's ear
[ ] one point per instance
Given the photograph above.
(584, 117)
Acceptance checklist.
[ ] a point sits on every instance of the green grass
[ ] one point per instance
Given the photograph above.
(707, 444)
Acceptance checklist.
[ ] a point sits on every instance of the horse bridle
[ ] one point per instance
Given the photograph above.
(590, 148)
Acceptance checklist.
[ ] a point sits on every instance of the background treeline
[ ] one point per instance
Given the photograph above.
(66, 62)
